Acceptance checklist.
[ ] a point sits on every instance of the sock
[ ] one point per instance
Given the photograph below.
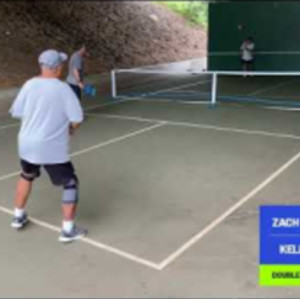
(68, 226)
(19, 212)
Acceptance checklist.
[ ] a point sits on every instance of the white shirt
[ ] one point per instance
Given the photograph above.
(46, 108)
(247, 51)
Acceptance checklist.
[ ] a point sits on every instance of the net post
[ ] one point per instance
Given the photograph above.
(113, 84)
(214, 89)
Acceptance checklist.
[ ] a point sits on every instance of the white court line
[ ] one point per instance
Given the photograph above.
(130, 98)
(107, 104)
(283, 108)
(184, 102)
(227, 213)
(8, 176)
(217, 53)
(99, 145)
(257, 92)
(191, 242)
(270, 87)
(179, 87)
(88, 240)
(200, 126)
(111, 141)
(162, 90)
(10, 126)
(86, 109)
(92, 242)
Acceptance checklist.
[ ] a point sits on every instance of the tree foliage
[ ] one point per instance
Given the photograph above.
(196, 12)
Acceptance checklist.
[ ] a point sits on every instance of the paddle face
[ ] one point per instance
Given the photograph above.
(89, 90)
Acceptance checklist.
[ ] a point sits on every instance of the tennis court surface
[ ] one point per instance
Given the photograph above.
(170, 192)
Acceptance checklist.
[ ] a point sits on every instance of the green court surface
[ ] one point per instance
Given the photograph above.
(170, 194)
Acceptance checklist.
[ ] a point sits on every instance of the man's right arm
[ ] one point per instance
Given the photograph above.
(74, 127)
(17, 107)
(76, 71)
(76, 74)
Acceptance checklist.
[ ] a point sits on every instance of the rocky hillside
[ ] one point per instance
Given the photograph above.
(120, 34)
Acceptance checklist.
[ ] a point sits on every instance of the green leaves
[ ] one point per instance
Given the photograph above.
(195, 12)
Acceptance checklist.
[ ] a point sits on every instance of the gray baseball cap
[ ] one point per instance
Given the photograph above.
(52, 58)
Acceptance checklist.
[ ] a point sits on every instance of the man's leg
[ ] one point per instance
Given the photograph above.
(244, 66)
(251, 65)
(64, 175)
(69, 211)
(24, 186)
(23, 191)
(69, 203)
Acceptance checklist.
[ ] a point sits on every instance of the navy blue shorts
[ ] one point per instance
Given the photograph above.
(77, 90)
(60, 174)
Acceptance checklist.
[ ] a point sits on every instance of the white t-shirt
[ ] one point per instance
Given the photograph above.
(247, 51)
(46, 108)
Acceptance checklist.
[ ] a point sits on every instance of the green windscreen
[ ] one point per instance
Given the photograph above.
(274, 25)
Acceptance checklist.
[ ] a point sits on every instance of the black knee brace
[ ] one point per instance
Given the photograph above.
(30, 177)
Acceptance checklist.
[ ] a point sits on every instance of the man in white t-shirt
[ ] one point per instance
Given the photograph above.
(247, 54)
(49, 112)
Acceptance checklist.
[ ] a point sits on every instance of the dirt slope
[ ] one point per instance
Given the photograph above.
(120, 34)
